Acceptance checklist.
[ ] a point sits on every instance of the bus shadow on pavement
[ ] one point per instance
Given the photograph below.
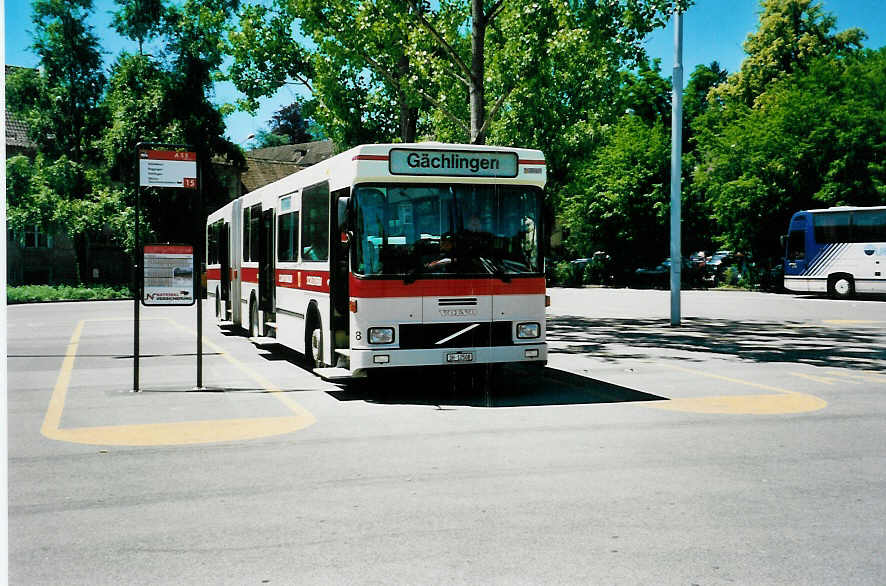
(508, 386)
(700, 339)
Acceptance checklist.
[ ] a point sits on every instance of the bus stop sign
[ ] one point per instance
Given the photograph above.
(167, 169)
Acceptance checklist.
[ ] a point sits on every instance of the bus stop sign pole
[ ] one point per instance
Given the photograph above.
(167, 166)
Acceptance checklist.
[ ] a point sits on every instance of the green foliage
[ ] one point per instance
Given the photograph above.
(618, 201)
(43, 293)
(139, 20)
(813, 139)
(791, 35)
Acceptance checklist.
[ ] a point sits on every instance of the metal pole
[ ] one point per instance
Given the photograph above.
(136, 268)
(676, 166)
(198, 273)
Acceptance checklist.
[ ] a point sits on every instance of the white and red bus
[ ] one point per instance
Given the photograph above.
(390, 256)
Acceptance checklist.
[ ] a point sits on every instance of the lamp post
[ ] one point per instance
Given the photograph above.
(676, 166)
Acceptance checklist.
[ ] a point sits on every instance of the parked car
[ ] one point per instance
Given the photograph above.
(660, 275)
(716, 265)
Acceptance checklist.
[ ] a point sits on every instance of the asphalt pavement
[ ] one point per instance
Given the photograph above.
(744, 446)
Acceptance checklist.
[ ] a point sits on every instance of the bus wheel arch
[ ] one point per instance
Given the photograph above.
(313, 337)
(841, 286)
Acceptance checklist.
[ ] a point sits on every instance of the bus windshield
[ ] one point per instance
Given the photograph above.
(446, 229)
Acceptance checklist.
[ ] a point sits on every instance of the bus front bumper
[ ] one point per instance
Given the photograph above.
(396, 358)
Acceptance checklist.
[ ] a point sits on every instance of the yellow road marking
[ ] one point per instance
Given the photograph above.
(784, 401)
(865, 375)
(817, 379)
(185, 432)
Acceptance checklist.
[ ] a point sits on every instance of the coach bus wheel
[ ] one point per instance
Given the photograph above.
(841, 286)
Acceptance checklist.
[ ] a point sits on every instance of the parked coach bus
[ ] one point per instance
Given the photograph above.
(841, 251)
(389, 256)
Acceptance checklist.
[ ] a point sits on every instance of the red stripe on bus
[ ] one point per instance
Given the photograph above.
(249, 275)
(370, 158)
(305, 280)
(529, 162)
(213, 274)
(378, 288)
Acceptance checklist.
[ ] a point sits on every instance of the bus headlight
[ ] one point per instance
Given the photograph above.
(528, 330)
(381, 335)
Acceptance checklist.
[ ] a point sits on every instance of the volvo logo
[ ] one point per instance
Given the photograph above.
(457, 312)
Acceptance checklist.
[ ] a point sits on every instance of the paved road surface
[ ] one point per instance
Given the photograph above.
(746, 446)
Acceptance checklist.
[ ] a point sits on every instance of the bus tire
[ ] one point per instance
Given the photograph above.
(253, 318)
(841, 286)
(314, 341)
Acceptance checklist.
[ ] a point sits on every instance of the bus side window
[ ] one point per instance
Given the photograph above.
(797, 245)
(315, 222)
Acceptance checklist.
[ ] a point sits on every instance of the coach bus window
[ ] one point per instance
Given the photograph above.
(287, 237)
(797, 245)
(315, 222)
(493, 229)
(832, 227)
(869, 226)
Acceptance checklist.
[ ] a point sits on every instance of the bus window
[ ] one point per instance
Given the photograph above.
(287, 237)
(797, 245)
(869, 226)
(832, 227)
(254, 231)
(315, 222)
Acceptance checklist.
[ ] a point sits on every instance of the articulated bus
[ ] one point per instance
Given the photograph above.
(389, 256)
(841, 251)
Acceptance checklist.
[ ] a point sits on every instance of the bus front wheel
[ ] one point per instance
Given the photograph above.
(314, 343)
(841, 286)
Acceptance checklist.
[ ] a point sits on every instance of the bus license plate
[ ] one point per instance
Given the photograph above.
(460, 357)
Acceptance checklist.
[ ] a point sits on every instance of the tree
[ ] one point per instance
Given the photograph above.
(791, 35)
(288, 122)
(358, 64)
(619, 199)
(139, 20)
(60, 103)
(815, 138)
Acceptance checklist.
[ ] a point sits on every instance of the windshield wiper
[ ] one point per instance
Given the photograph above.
(497, 268)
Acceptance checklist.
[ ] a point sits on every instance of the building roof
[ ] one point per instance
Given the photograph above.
(269, 164)
(17, 139)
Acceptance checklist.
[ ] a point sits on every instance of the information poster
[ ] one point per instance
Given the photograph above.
(169, 275)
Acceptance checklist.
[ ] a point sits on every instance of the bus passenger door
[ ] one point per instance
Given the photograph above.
(339, 274)
(266, 276)
(224, 253)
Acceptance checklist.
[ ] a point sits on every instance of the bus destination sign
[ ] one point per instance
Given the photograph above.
(167, 169)
(453, 163)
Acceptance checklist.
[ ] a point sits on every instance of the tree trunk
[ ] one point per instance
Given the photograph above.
(408, 116)
(478, 71)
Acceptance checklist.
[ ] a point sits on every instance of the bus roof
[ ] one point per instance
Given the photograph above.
(842, 209)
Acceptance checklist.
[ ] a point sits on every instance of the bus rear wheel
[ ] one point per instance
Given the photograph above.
(841, 286)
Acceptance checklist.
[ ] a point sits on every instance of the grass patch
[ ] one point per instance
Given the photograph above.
(43, 293)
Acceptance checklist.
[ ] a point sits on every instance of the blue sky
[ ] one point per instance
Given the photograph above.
(712, 30)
